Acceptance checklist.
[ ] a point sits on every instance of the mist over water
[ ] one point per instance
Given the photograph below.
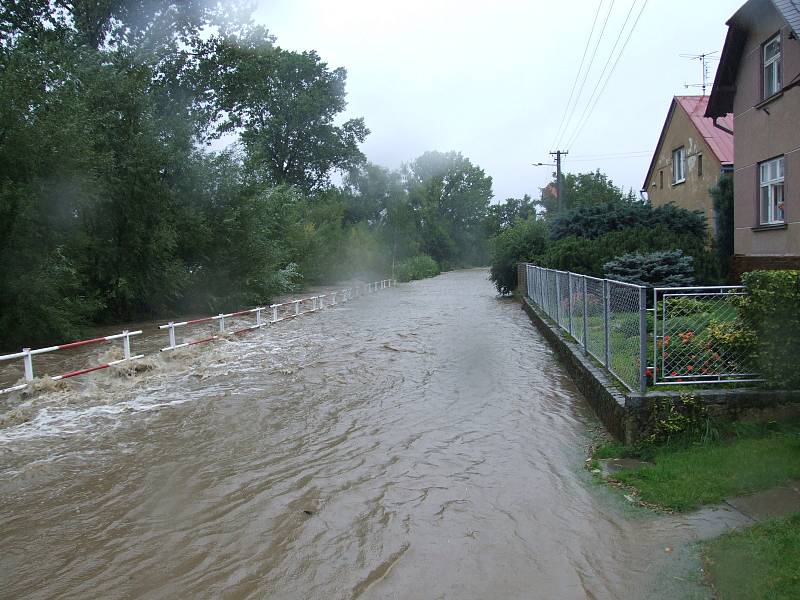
(421, 442)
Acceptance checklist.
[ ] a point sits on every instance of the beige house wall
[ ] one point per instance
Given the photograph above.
(764, 131)
(693, 193)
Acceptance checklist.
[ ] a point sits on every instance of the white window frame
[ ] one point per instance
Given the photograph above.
(771, 65)
(679, 165)
(771, 197)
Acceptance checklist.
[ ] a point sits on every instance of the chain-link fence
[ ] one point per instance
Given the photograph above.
(626, 332)
(701, 337)
(689, 335)
(605, 317)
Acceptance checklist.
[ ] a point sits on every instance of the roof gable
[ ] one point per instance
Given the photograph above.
(719, 142)
(724, 88)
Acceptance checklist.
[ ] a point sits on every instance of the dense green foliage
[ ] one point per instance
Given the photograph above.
(521, 242)
(503, 215)
(656, 269)
(582, 189)
(592, 221)
(587, 255)
(418, 267)
(600, 225)
(772, 309)
(113, 208)
(722, 196)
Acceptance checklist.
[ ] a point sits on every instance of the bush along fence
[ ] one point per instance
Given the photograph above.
(276, 312)
(650, 336)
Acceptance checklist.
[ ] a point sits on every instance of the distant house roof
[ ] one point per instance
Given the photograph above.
(721, 99)
(719, 141)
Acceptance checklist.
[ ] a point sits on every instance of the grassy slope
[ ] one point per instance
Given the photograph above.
(760, 562)
(684, 478)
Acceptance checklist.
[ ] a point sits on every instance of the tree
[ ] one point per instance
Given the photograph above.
(503, 215)
(284, 104)
(581, 189)
(722, 195)
(522, 242)
(450, 196)
(593, 220)
(657, 269)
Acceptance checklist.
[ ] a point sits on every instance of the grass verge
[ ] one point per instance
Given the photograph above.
(762, 561)
(684, 476)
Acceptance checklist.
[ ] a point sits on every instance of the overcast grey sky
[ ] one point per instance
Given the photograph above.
(491, 79)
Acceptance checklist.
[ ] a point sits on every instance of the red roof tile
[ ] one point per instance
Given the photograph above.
(720, 142)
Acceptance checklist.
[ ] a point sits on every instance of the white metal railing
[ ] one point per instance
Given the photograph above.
(27, 356)
(290, 309)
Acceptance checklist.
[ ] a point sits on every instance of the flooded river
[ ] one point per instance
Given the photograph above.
(421, 442)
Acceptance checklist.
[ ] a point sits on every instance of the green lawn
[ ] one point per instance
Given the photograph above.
(762, 561)
(684, 478)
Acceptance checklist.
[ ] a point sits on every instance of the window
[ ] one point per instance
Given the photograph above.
(661, 180)
(771, 59)
(679, 165)
(699, 165)
(770, 180)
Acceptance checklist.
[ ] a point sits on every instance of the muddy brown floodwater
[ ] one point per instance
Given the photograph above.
(422, 442)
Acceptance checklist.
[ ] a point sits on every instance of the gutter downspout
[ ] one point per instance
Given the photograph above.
(718, 126)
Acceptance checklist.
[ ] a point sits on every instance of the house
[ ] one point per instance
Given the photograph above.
(757, 79)
(690, 156)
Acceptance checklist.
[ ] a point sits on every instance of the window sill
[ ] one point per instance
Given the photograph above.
(769, 227)
(769, 100)
(674, 183)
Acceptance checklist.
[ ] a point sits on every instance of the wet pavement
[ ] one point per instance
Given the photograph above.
(422, 442)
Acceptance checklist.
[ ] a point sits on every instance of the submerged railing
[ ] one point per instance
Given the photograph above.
(27, 356)
(278, 312)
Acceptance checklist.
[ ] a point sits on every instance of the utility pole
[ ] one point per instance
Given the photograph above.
(558, 154)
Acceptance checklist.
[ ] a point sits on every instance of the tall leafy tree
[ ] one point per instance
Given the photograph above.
(503, 215)
(581, 189)
(450, 197)
(285, 105)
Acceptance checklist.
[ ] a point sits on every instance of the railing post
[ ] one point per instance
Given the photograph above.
(585, 317)
(558, 300)
(569, 301)
(126, 345)
(655, 335)
(258, 316)
(297, 307)
(643, 340)
(171, 334)
(28, 364)
(274, 308)
(221, 323)
(606, 320)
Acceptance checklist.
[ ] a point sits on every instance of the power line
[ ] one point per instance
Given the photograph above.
(612, 155)
(578, 74)
(605, 68)
(588, 69)
(605, 158)
(613, 67)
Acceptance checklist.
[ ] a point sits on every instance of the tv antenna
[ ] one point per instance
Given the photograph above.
(704, 59)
